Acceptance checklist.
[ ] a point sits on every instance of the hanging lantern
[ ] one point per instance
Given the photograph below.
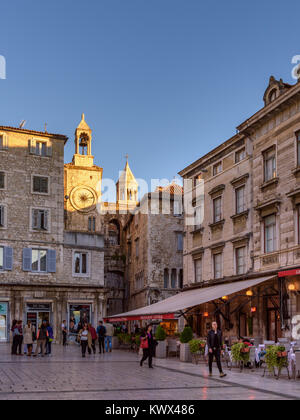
(253, 309)
(206, 314)
(292, 287)
(249, 293)
(225, 298)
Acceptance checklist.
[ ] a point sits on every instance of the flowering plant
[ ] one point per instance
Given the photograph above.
(240, 352)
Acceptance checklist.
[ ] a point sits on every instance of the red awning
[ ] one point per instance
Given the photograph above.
(295, 272)
(140, 318)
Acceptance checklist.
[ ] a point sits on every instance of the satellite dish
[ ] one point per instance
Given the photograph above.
(22, 124)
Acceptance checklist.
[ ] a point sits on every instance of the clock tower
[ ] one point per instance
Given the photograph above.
(82, 184)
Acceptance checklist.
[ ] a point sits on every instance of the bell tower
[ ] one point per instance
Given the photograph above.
(83, 182)
(127, 188)
(83, 145)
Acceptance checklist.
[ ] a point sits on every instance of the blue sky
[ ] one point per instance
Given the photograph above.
(162, 80)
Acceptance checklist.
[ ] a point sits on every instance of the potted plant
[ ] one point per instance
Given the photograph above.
(197, 349)
(276, 357)
(241, 353)
(185, 337)
(161, 349)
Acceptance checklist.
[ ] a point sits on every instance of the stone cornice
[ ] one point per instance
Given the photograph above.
(217, 189)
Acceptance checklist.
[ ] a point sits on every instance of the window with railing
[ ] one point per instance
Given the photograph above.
(217, 207)
(217, 261)
(240, 257)
(270, 233)
(240, 200)
(198, 270)
(270, 164)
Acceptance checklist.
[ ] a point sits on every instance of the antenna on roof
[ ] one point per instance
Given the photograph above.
(22, 123)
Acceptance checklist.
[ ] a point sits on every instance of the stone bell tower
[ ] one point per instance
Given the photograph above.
(127, 188)
(83, 145)
(82, 184)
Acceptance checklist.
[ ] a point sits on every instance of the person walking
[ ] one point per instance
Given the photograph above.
(64, 332)
(41, 336)
(108, 338)
(20, 338)
(148, 345)
(93, 338)
(83, 337)
(15, 335)
(101, 332)
(29, 331)
(214, 344)
(49, 340)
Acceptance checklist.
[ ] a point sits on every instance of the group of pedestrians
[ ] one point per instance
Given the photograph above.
(28, 335)
(214, 344)
(88, 337)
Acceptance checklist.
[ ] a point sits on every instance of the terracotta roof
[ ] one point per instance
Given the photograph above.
(38, 133)
(172, 188)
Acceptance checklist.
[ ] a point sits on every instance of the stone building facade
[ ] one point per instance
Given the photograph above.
(34, 280)
(250, 227)
(153, 238)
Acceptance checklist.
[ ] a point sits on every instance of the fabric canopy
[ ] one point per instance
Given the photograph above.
(166, 309)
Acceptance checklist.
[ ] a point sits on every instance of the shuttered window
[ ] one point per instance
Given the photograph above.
(40, 184)
(40, 219)
(39, 260)
(6, 258)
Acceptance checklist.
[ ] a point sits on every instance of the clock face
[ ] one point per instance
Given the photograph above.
(83, 199)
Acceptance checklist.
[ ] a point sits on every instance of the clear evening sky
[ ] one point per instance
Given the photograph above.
(162, 80)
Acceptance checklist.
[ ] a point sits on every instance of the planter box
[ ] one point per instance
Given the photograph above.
(161, 350)
(185, 353)
(115, 343)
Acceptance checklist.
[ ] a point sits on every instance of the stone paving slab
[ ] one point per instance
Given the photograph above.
(118, 376)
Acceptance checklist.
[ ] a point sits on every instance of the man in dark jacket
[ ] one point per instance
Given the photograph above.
(101, 332)
(215, 343)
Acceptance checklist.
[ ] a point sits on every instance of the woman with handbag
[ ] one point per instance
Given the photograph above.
(28, 337)
(148, 345)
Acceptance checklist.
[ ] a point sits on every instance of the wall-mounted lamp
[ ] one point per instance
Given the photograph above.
(225, 298)
(205, 314)
(292, 287)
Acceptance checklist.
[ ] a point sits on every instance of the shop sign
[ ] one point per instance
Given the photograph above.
(141, 318)
(3, 308)
(38, 307)
(288, 273)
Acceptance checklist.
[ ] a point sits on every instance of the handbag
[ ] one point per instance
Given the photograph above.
(144, 344)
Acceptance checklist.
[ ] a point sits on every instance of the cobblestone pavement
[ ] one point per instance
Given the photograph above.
(118, 376)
